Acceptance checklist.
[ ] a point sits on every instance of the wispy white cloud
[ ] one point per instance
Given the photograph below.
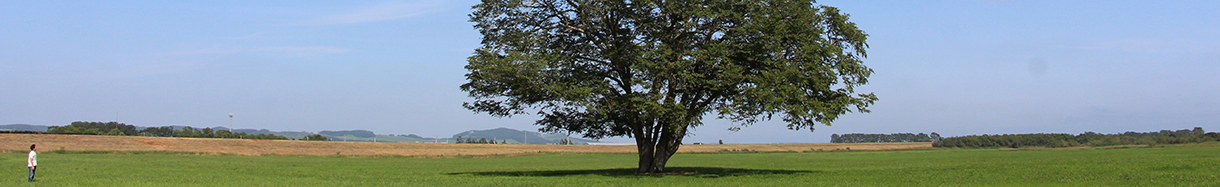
(381, 12)
(295, 51)
(301, 50)
(255, 36)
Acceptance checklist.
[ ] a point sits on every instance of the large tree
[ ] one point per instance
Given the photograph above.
(652, 69)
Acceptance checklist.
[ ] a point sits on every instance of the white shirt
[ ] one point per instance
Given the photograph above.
(33, 161)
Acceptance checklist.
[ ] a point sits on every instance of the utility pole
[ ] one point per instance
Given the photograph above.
(527, 138)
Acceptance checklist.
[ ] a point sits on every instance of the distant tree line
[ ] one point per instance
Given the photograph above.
(94, 128)
(479, 141)
(210, 133)
(878, 138)
(1083, 139)
(316, 137)
(19, 132)
(566, 141)
(120, 129)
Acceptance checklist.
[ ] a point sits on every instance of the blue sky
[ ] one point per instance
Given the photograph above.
(952, 67)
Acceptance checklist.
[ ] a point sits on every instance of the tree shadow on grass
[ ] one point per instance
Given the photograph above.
(704, 172)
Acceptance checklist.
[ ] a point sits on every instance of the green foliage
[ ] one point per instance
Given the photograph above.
(1160, 166)
(119, 129)
(19, 132)
(878, 138)
(94, 128)
(164, 131)
(115, 132)
(91, 131)
(652, 69)
(1087, 138)
(315, 137)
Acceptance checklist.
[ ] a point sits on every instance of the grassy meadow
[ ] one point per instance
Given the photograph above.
(1191, 165)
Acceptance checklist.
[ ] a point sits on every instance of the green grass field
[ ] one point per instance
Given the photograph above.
(1197, 165)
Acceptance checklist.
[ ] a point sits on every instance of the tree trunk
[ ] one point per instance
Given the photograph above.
(656, 142)
(666, 147)
(661, 156)
(646, 157)
(646, 149)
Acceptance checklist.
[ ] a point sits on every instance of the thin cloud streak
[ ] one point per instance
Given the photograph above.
(382, 12)
(302, 50)
(299, 51)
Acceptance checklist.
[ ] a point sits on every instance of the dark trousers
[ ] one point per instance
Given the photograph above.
(32, 173)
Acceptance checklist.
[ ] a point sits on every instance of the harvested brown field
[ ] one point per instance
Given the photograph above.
(46, 142)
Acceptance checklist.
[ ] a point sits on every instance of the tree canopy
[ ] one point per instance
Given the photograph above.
(651, 69)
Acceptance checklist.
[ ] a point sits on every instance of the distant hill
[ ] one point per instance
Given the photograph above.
(388, 138)
(24, 127)
(517, 136)
(287, 134)
(291, 134)
(356, 133)
(511, 136)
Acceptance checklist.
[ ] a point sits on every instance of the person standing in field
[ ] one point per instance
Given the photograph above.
(32, 162)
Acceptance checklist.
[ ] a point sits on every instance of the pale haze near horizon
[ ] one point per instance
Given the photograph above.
(394, 67)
